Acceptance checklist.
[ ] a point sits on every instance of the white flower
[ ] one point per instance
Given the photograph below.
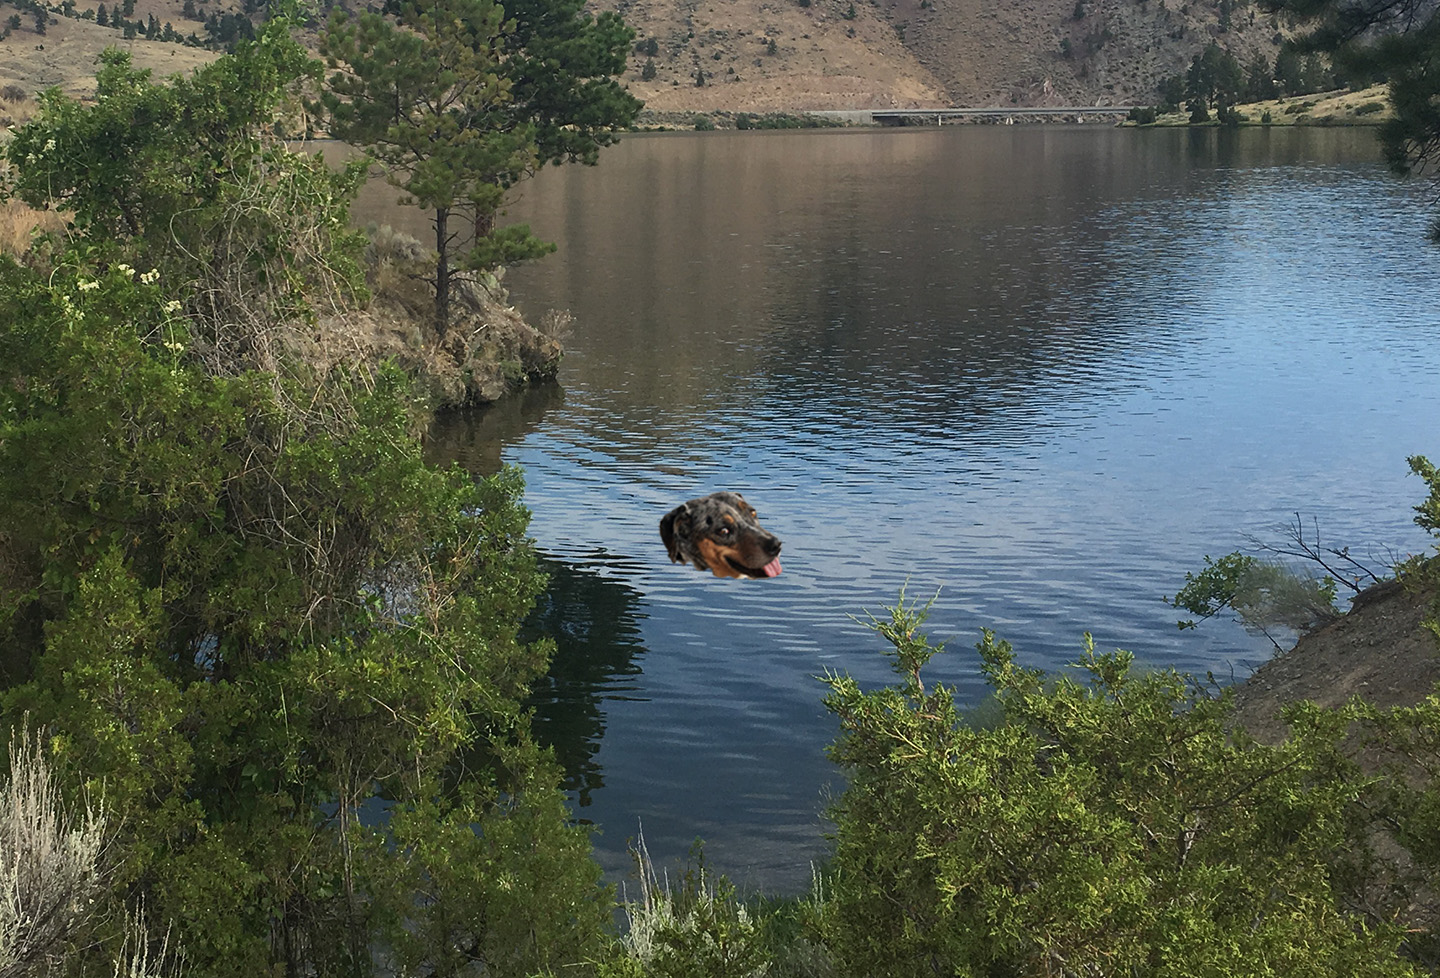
(87, 286)
(49, 145)
(173, 305)
(151, 276)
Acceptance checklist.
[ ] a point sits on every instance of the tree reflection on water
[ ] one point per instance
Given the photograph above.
(594, 621)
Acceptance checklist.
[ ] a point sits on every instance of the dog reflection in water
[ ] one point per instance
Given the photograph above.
(721, 534)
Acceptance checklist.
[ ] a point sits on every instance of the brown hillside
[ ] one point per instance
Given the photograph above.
(793, 55)
(65, 55)
(837, 54)
(1378, 651)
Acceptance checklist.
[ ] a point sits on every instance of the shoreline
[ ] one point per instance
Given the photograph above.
(1366, 109)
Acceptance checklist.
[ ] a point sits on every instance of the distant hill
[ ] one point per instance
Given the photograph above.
(787, 55)
(65, 55)
(836, 54)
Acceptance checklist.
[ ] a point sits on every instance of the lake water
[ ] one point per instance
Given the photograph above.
(1040, 370)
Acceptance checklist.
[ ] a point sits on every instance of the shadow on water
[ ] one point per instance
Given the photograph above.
(476, 437)
(594, 621)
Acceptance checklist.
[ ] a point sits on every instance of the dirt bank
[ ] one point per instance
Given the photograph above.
(1379, 651)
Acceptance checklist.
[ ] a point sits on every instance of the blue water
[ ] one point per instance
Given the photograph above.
(1039, 371)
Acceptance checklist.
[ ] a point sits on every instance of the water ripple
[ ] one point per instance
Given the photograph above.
(1044, 391)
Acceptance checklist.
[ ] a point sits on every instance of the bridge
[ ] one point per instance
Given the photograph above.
(997, 115)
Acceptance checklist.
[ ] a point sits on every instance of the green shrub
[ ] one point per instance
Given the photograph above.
(236, 596)
(1264, 594)
(699, 929)
(1112, 823)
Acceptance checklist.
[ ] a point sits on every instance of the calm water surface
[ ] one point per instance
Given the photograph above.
(1043, 371)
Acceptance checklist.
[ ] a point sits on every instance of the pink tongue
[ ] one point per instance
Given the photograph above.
(772, 569)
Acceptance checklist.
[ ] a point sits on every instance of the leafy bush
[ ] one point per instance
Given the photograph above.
(237, 597)
(1423, 571)
(262, 625)
(1264, 594)
(783, 120)
(1112, 823)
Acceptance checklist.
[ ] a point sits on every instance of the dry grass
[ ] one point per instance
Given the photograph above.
(19, 224)
(1339, 108)
(1343, 108)
(16, 106)
(53, 874)
(67, 55)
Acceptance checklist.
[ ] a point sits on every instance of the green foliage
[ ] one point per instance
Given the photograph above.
(1423, 572)
(1215, 77)
(189, 179)
(160, 145)
(1259, 81)
(461, 99)
(282, 647)
(1172, 92)
(563, 66)
(1213, 590)
(782, 120)
(1262, 593)
(1113, 823)
(425, 98)
(1428, 512)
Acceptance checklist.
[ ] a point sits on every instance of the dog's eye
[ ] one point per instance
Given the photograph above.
(723, 531)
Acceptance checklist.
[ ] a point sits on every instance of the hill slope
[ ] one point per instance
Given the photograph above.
(791, 55)
(1378, 651)
(837, 54)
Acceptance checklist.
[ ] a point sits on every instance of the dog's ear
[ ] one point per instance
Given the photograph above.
(674, 526)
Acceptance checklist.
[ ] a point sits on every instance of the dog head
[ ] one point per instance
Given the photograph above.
(721, 534)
